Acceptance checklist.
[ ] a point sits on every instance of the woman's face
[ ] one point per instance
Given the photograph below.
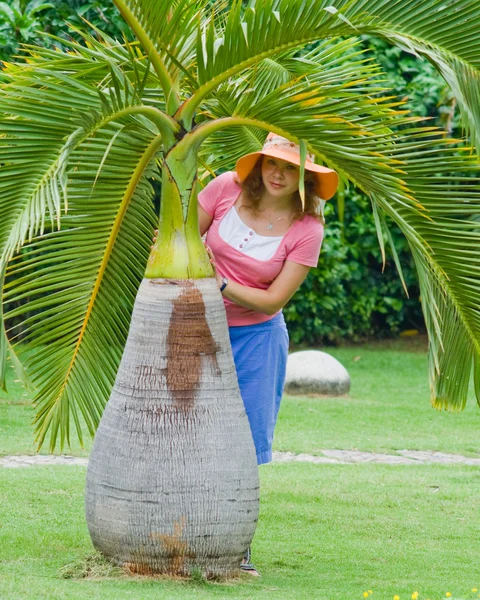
(279, 177)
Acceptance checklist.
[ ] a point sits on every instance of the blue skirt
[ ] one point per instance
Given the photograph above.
(260, 355)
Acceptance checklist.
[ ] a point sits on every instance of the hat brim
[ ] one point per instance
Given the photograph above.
(326, 179)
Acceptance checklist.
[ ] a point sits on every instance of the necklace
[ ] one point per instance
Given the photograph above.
(269, 225)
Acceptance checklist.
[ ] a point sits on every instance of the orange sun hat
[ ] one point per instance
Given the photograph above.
(279, 147)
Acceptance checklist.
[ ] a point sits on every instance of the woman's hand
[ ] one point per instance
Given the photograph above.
(218, 277)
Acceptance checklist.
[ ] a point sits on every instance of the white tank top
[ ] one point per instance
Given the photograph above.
(237, 234)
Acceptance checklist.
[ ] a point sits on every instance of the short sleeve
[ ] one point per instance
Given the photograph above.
(213, 193)
(306, 250)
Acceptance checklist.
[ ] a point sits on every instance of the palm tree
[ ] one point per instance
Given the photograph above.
(86, 138)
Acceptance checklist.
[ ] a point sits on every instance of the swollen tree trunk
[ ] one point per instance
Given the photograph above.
(172, 481)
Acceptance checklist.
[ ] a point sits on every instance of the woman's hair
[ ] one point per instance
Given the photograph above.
(253, 188)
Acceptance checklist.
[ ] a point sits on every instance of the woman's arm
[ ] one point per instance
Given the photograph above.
(271, 300)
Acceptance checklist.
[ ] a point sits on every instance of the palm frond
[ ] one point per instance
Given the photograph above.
(31, 176)
(7, 353)
(337, 116)
(427, 184)
(229, 46)
(98, 63)
(444, 180)
(45, 133)
(309, 89)
(262, 30)
(76, 286)
(167, 31)
(44, 118)
(446, 34)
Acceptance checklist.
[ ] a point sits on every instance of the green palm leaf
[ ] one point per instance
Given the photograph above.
(423, 27)
(77, 286)
(324, 67)
(167, 32)
(448, 267)
(430, 28)
(41, 160)
(57, 112)
(427, 185)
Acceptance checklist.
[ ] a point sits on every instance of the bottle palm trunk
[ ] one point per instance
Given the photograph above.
(172, 482)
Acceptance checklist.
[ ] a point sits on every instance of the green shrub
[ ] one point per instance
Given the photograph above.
(23, 21)
(347, 297)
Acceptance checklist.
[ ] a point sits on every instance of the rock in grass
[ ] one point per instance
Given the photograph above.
(315, 372)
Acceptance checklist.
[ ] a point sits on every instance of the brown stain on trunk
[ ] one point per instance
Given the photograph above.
(172, 557)
(189, 340)
(176, 548)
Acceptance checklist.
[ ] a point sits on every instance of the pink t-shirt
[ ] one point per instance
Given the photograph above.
(300, 244)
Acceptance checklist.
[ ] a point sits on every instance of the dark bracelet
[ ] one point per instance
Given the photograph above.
(224, 284)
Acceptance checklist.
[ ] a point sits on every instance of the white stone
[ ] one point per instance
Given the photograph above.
(315, 372)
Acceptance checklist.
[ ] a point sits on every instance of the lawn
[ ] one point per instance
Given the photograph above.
(326, 532)
(388, 409)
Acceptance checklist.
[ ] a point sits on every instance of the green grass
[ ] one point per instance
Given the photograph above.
(388, 409)
(326, 532)
(17, 429)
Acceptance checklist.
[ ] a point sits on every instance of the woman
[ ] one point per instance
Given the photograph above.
(262, 245)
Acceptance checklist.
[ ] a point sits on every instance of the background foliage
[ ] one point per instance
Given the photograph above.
(347, 297)
(21, 22)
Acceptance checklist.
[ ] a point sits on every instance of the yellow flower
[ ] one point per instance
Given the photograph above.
(396, 598)
(365, 594)
(414, 595)
(474, 590)
(448, 594)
